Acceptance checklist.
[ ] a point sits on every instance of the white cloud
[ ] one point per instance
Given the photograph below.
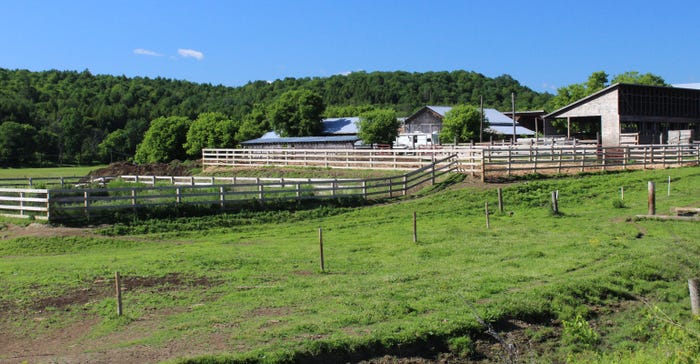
(190, 53)
(146, 52)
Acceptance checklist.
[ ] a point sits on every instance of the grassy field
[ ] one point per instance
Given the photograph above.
(592, 284)
(46, 172)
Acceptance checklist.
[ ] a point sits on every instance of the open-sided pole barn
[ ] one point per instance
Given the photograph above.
(625, 113)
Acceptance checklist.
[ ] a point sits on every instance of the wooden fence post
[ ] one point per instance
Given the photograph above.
(118, 288)
(486, 211)
(221, 197)
(178, 196)
(500, 199)
(651, 198)
(364, 189)
(320, 244)
(555, 203)
(86, 204)
(694, 288)
(404, 185)
(669, 186)
(415, 228)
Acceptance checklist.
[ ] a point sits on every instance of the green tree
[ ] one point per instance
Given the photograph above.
(210, 130)
(461, 123)
(17, 144)
(164, 140)
(297, 113)
(635, 77)
(378, 126)
(254, 124)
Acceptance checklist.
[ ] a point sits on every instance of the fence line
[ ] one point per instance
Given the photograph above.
(498, 161)
(393, 159)
(485, 161)
(64, 204)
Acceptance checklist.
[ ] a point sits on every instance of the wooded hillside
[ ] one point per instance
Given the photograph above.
(63, 116)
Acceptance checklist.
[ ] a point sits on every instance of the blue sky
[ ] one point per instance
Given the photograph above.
(543, 44)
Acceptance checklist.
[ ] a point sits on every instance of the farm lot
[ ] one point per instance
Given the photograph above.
(592, 284)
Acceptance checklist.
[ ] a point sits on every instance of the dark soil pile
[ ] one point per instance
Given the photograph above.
(151, 169)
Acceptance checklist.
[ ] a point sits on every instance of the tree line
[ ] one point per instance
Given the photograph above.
(69, 117)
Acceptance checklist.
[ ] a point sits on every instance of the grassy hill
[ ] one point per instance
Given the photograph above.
(593, 284)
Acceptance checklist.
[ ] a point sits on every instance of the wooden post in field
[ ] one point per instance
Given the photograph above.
(694, 288)
(320, 244)
(415, 228)
(669, 186)
(622, 193)
(118, 288)
(486, 211)
(652, 198)
(500, 200)
(555, 203)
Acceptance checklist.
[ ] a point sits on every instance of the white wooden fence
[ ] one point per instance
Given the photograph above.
(498, 161)
(486, 161)
(210, 192)
(392, 159)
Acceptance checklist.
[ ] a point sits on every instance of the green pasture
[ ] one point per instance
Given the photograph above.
(600, 285)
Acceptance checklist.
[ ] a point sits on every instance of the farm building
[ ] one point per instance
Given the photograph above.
(636, 114)
(338, 133)
(428, 120)
(533, 120)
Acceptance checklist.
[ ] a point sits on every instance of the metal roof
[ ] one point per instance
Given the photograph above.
(346, 125)
(310, 139)
(508, 130)
(499, 123)
(442, 110)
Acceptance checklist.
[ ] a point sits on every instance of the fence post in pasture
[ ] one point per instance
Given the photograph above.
(211, 181)
(191, 181)
(298, 189)
(486, 211)
(178, 196)
(30, 182)
(404, 185)
(62, 183)
(500, 199)
(432, 172)
(21, 204)
(261, 194)
(334, 187)
(118, 289)
(415, 228)
(137, 178)
(483, 164)
(86, 204)
(555, 203)
(622, 193)
(364, 189)
(153, 180)
(694, 288)
(320, 244)
(652, 198)
(48, 205)
(391, 187)
(133, 199)
(221, 196)
(669, 186)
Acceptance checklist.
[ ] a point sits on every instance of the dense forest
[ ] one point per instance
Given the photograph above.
(63, 117)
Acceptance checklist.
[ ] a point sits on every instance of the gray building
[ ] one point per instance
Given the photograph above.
(648, 113)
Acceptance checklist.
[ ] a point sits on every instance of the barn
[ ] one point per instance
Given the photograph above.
(636, 114)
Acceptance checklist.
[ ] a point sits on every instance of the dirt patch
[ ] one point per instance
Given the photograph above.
(102, 288)
(152, 169)
(11, 231)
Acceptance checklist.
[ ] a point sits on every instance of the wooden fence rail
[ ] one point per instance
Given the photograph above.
(498, 161)
(394, 159)
(76, 202)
